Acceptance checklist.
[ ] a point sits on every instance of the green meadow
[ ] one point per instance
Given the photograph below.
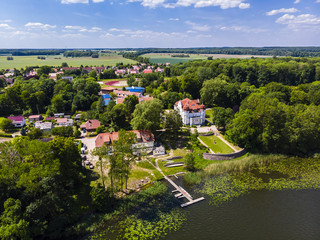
(57, 60)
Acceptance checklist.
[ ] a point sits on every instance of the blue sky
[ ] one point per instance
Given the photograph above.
(158, 23)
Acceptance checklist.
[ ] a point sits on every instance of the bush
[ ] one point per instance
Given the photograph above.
(5, 135)
(63, 131)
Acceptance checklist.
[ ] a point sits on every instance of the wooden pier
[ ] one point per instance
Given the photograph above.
(183, 193)
(180, 192)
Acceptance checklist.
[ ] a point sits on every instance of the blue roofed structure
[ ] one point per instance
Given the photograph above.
(135, 89)
(106, 99)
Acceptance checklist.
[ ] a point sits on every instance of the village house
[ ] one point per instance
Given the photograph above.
(18, 121)
(144, 140)
(146, 71)
(44, 126)
(124, 94)
(68, 78)
(136, 89)
(107, 90)
(64, 122)
(50, 119)
(33, 118)
(191, 112)
(90, 125)
(57, 115)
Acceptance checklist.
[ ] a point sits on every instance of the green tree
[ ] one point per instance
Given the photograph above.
(131, 102)
(44, 70)
(34, 133)
(13, 226)
(173, 121)
(103, 158)
(190, 162)
(221, 116)
(5, 124)
(147, 115)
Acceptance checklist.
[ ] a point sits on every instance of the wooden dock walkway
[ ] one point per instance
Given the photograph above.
(181, 192)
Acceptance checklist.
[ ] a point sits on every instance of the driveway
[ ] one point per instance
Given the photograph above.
(90, 143)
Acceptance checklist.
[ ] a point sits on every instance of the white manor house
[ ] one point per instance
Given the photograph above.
(191, 112)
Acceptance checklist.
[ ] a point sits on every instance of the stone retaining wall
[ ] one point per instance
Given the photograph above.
(220, 157)
(206, 134)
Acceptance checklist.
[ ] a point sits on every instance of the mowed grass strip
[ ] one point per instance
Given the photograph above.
(216, 144)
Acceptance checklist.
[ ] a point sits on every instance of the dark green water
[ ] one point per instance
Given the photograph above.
(263, 215)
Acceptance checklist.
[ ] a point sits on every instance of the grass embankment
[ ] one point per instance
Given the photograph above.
(57, 60)
(216, 144)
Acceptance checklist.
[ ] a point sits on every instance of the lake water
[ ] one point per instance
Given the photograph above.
(263, 215)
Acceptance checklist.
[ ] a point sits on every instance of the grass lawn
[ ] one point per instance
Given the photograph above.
(209, 114)
(216, 144)
(57, 60)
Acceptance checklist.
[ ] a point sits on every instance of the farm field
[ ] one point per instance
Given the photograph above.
(166, 57)
(57, 60)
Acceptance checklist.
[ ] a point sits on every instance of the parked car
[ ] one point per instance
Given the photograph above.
(83, 157)
(84, 146)
(91, 166)
(87, 162)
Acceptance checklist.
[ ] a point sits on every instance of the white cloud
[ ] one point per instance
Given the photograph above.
(97, 1)
(224, 4)
(198, 27)
(244, 5)
(37, 25)
(174, 19)
(302, 21)
(82, 29)
(318, 1)
(74, 1)
(296, 1)
(242, 29)
(282, 10)
(5, 26)
(74, 27)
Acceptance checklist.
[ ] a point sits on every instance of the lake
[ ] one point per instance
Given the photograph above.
(263, 215)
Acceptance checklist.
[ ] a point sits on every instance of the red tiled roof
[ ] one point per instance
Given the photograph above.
(16, 118)
(108, 138)
(91, 124)
(62, 120)
(35, 116)
(189, 105)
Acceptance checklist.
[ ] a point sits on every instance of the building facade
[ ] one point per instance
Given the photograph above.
(191, 111)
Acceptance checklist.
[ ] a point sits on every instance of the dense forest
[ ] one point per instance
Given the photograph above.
(271, 51)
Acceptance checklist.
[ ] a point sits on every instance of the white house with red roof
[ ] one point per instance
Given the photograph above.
(17, 121)
(191, 111)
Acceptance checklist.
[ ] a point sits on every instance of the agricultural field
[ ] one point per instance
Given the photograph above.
(166, 58)
(57, 60)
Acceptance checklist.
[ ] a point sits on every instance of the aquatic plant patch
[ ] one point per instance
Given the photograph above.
(289, 173)
(135, 228)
